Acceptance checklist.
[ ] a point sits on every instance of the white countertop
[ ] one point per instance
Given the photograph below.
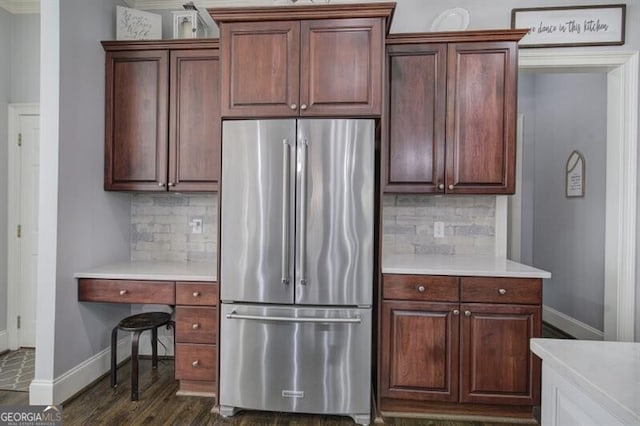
(167, 271)
(609, 372)
(459, 265)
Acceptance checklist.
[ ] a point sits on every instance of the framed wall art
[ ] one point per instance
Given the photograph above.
(575, 175)
(571, 26)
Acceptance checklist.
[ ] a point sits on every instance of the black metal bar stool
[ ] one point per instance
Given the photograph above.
(137, 324)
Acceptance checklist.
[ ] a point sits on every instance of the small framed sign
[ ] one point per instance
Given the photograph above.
(575, 175)
(133, 24)
(571, 26)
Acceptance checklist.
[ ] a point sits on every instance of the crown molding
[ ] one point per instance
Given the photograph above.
(177, 5)
(20, 6)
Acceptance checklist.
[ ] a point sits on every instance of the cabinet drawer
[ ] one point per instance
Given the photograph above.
(196, 324)
(420, 287)
(197, 293)
(196, 362)
(126, 291)
(501, 290)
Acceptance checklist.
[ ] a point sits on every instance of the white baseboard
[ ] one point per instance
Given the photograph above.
(50, 392)
(570, 325)
(4, 340)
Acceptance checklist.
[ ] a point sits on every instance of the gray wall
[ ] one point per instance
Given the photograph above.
(93, 225)
(25, 58)
(564, 112)
(5, 73)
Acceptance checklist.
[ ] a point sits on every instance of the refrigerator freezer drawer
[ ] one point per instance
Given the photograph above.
(307, 360)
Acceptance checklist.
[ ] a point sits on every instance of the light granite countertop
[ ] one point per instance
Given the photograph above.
(149, 270)
(459, 265)
(608, 372)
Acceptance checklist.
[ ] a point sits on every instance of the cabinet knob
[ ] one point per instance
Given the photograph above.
(161, 184)
(195, 326)
(303, 106)
(451, 186)
(195, 363)
(171, 184)
(441, 186)
(456, 312)
(421, 288)
(502, 291)
(123, 292)
(467, 313)
(293, 106)
(196, 294)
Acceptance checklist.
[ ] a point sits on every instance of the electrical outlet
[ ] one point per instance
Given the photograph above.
(438, 230)
(196, 225)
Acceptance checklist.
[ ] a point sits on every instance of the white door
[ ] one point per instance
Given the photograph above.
(29, 126)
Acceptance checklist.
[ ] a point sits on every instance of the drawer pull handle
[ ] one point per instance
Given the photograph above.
(502, 291)
(195, 363)
(421, 289)
(196, 294)
(123, 292)
(195, 326)
(467, 313)
(456, 312)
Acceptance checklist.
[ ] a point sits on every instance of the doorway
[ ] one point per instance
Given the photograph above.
(621, 70)
(24, 170)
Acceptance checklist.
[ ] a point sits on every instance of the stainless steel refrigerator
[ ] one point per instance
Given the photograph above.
(297, 209)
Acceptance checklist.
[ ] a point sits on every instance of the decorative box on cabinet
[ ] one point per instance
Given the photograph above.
(303, 60)
(459, 344)
(162, 126)
(450, 114)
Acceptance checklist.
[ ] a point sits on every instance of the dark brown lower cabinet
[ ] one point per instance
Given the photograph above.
(420, 366)
(466, 356)
(497, 366)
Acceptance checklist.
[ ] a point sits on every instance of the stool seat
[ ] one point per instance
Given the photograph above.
(137, 324)
(144, 321)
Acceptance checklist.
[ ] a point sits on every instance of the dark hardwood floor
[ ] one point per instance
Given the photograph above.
(158, 404)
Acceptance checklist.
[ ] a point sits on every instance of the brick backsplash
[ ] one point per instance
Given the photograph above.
(469, 224)
(160, 227)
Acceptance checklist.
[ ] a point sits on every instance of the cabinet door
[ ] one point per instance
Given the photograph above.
(136, 120)
(341, 67)
(481, 107)
(261, 66)
(419, 351)
(497, 366)
(415, 123)
(194, 127)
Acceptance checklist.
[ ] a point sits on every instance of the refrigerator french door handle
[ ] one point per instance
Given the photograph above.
(286, 210)
(354, 320)
(303, 212)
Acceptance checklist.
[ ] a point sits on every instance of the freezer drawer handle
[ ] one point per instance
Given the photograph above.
(355, 320)
(285, 211)
(303, 212)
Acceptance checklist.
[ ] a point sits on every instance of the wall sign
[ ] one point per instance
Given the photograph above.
(575, 175)
(571, 26)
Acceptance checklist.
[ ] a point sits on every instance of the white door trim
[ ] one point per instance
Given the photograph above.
(621, 183)
(13, 201)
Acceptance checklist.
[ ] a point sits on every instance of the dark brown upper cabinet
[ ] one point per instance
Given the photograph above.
(324, 60)
(450, 112)
(162, 128)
